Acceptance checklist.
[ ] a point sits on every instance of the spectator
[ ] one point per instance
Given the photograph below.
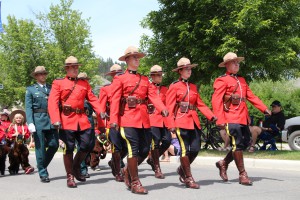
(17, 134)
(270, 129)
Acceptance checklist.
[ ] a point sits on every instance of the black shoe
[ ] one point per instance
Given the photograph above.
(45, 179)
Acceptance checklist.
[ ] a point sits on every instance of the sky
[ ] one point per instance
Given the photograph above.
(114, 24)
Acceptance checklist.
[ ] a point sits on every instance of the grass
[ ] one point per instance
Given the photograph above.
(278, 155)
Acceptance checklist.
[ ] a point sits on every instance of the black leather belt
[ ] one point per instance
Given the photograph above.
(40, 110)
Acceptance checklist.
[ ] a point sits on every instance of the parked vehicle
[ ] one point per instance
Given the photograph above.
(291, 133)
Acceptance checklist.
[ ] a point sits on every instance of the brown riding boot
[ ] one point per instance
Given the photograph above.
(70, 181)
(116, 162)
(223, 166)
(79, 157)
(150, 161)
(181, 174)
(155, 158)
(239, 161)
(127, 179)
(136, 186)
(68, 162)
(189, 180)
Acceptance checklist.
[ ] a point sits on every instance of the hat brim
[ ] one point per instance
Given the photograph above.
(184, 66)
(138, 54)
(239, 59)
(113, 72)
(157, 72)
(39, 72)
(13, 113)
(72, 64)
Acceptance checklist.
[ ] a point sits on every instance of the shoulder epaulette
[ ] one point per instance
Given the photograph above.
(59, 78)
(175, 82)
(107, 84)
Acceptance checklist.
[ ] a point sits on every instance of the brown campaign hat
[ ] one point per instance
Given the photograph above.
(13, 113)
(156, 69)
(39, 70)
(5, 112)
(114, 69)
(184, 63)
(230, 56)
(71, 61)
(131, 50)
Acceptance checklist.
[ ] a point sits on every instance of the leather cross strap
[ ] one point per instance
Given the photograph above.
(136, 86)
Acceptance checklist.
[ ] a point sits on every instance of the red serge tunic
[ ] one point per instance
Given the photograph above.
(156, 119)
(133, 117)
(238, 114)
(104, 98)
(60, 89)
(176, 92)
(20, 129)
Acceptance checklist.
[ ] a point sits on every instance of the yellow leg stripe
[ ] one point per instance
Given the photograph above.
(152, 144)
(64, 149)
(127, 142)
(232, 138)
(107, 132)
(183, 149)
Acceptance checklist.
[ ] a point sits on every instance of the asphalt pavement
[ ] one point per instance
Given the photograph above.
(272, 179)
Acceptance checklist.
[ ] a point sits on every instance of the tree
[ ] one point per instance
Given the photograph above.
(25, 45)
(266, 32)
(21, 49)
(68, 34)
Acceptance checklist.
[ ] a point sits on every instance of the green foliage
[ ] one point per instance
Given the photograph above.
(284, 91)
(265, 32)
(60, 33)
(21, 50)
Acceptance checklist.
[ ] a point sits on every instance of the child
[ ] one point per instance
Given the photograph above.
(4, 149)
(17, 133)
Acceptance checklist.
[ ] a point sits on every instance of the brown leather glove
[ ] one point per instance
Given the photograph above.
(214, 119)
(165, 113)
(114, 126)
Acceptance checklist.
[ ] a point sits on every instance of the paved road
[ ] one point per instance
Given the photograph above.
(268, 184)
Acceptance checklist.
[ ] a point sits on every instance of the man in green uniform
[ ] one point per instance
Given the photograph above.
(45, 136)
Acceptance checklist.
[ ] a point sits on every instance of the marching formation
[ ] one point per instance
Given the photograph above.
(133, 116)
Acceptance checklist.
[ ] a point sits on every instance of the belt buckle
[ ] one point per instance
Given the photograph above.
(138, 101)
(77, 111)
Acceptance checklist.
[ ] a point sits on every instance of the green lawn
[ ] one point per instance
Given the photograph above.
(278, 155)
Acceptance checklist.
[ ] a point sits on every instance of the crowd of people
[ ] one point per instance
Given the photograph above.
(136, 117)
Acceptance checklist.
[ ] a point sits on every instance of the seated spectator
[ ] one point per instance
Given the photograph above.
(271, 127)
(173, 150)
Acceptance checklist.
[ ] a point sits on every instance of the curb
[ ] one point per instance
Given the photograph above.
(289, 165)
